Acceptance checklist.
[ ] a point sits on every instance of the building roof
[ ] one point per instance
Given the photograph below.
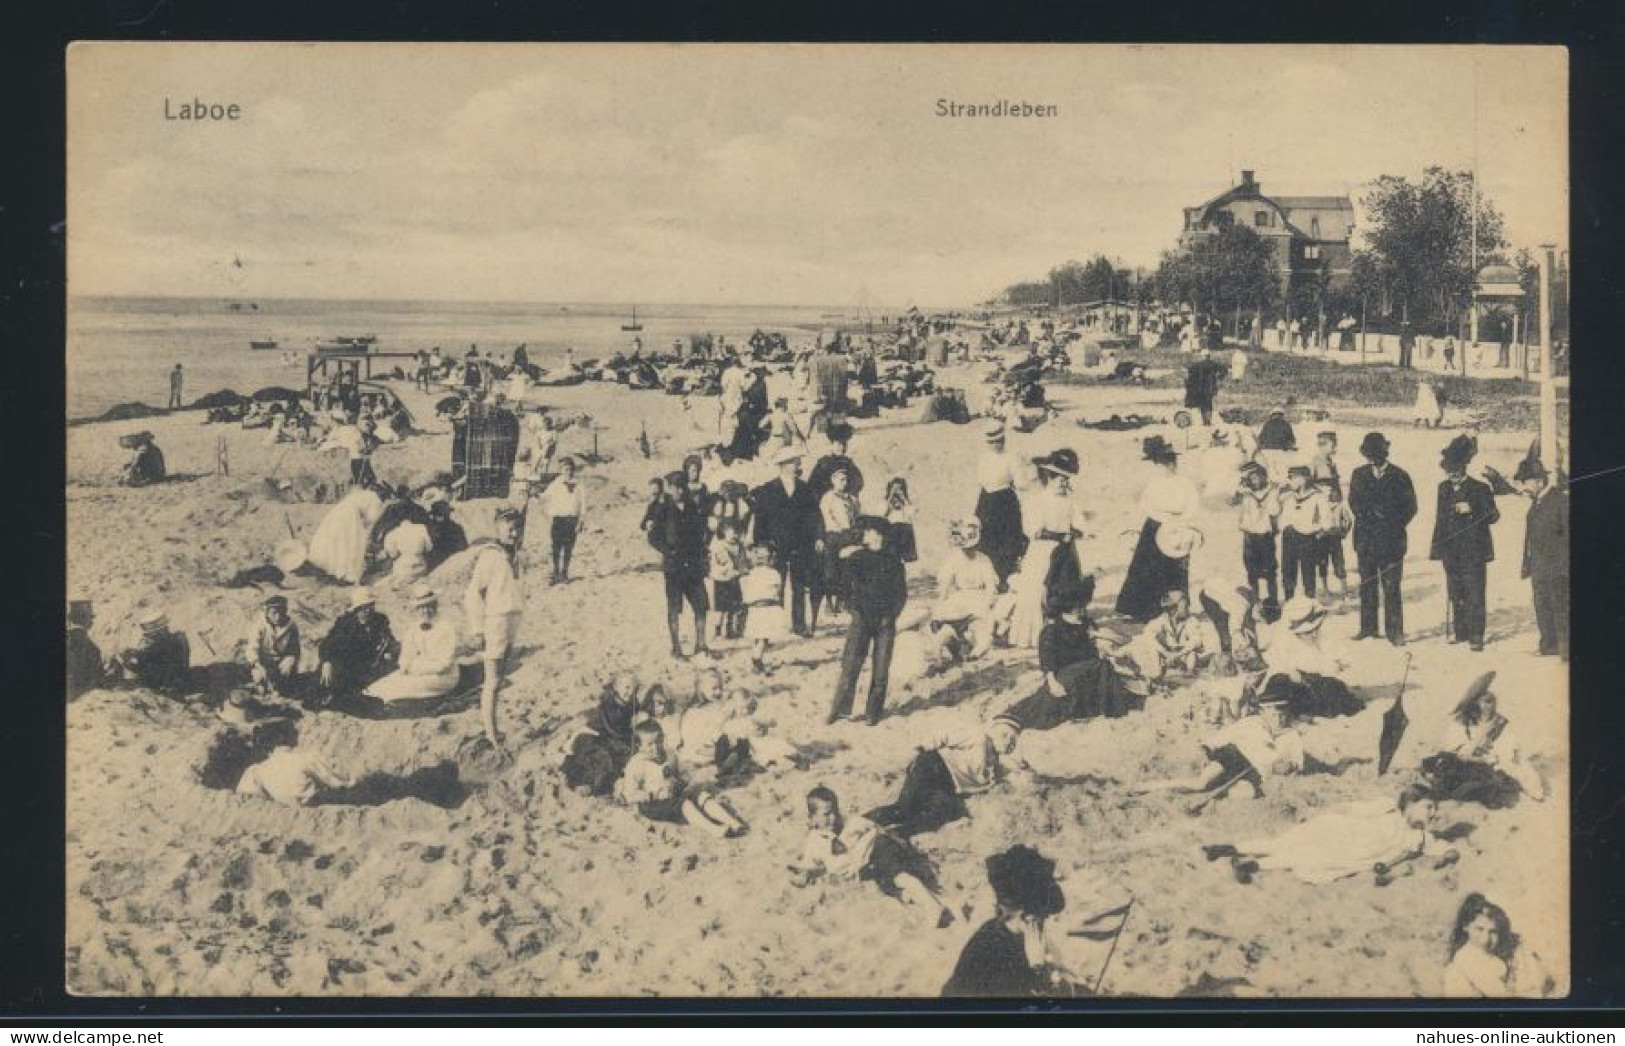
(1315, 203)
(1336, 213)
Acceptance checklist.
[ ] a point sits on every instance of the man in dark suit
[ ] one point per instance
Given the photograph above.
(1202, 384)
(877, 588)
(787, 519)
(1462, 540)
(683, 560)
(1384, 503)
(1546, 556)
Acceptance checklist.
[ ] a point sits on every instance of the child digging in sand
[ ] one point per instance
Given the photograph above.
(865, 851)
(652, 783)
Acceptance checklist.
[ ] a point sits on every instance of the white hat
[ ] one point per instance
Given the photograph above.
(361, 596)
(421, 595)
(153, 621)
(1302, 615)
(787, 455)
(1178, 540)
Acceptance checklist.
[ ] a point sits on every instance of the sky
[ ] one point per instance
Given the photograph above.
(766, 174)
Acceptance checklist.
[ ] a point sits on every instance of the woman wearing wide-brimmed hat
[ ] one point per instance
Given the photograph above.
(1054, 525)
(1161, 562)
(998, 959)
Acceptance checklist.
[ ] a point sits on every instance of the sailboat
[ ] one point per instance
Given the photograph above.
(634, 325)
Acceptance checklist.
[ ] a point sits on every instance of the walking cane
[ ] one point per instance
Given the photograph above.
(1218, 793)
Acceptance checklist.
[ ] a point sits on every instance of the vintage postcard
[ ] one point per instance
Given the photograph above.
(745, 521)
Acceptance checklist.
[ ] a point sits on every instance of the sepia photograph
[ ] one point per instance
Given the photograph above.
(1011, 521)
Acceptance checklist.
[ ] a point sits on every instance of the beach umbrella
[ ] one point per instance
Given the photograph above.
(1394, 722)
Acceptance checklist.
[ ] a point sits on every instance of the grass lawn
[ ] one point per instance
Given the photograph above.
(1278, 379)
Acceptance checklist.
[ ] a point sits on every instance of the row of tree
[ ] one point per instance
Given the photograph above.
(1416, 265)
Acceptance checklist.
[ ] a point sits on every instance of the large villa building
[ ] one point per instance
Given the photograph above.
(1309, 234)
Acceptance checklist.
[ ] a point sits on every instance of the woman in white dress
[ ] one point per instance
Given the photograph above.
(1169, 500)
(339, 547)
(1054, 521)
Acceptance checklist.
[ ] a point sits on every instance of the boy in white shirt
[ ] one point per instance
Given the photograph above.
(565, 502)
(1303, 518)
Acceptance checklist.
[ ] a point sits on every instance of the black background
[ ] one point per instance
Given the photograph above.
(32, 404)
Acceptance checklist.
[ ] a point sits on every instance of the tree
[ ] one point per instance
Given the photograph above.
(1037, 292)
(1419, 237)
(1231, 269)
(1068, 283)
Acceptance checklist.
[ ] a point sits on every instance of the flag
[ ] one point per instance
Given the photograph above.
(1103, 926)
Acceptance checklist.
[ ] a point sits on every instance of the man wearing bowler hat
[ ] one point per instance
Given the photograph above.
(1462, 540)
(1383, 501)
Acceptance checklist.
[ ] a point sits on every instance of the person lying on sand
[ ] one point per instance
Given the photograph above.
(652, 783)
(745, 741)
(1383, 836)
(948, 767)
(1241, 756)
(864, 851)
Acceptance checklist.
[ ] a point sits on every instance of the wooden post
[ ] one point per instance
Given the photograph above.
(1548, 387)
(1362, 328)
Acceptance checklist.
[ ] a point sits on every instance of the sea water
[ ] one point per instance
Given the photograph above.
(122, 349)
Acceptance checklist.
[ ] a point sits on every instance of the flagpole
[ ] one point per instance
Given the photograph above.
(1101, 977)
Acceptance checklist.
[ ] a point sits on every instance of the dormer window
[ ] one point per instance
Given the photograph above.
(1314, 227)
(1261, 219)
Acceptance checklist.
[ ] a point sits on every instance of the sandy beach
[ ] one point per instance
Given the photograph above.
(461, 876)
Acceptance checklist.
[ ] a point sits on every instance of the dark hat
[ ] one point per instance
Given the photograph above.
(839, 432)
(876, 523)
(1158, 449)
(677, 476)
(79, 611)
(1375, 445)
(1024, 879)
(1299, 470)
(1529, 468)
(1477, 690)
(509, 514)
(277, 601)
(1063, 462)
(1068, 594)
(1459, 452)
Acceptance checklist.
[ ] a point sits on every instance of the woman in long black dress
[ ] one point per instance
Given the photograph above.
(997, 960)
(1169, 502)
(1078, 682)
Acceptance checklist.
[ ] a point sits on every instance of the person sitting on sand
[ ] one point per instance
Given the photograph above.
(968, 592)
(1296, 667)
(146, 464)
(598, 754)
(947, 768)
(86, 669)
(862, 850)
(1176, 643)
(446, 536)
(427, 666)
(1078, 682)
(1006, 955)
(745, 741)
(1486, 765)
(156, 658)
(357, 650)
(1373, 835)
(781, 428)
(272, 647)
(652, 783)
